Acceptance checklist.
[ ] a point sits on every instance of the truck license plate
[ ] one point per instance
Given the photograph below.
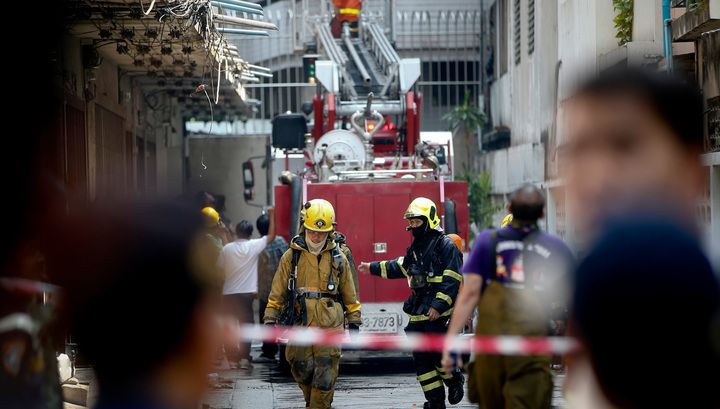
(379, 322)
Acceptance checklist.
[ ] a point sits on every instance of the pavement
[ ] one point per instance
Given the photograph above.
(368, 380)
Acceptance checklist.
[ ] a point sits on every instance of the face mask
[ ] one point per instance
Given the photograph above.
(315, 248)
(419, 232)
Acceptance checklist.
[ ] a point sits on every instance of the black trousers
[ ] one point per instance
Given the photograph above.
(239, 306)
(269, 349)
(427, 364)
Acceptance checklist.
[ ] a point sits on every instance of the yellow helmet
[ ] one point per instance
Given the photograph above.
(424, 207)
(507, 220)
(211, 216)
(318, 215)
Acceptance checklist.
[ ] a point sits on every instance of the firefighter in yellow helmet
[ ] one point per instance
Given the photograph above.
(313, 287)
(212, 243)
(431, 267)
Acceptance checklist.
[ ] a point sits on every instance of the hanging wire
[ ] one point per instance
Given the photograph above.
(142, 7)
(212, 117)
(202, 162)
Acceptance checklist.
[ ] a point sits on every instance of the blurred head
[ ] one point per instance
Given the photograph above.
(527, 204)
(263, 224)
(244, 230)
(143, 300)
(632, 136)
(645, 298)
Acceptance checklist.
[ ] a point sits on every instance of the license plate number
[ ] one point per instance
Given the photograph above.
(384, 322)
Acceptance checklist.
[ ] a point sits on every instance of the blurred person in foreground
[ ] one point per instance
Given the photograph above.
(517, 278)
(267, 265)
(239, 261)
(634, 140)
(646, 309)
(30, 331)
(144, 303)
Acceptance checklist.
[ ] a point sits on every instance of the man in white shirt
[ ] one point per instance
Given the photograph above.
(239, 261)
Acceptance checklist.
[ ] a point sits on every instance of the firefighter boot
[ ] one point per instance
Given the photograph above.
(434, 403)
(456, 389)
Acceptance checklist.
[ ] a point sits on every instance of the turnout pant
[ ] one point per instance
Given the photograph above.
(427, 364)
(315, 369)
(522, 382)
(517, 382)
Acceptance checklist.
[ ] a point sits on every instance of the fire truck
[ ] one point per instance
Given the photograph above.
(366, 155)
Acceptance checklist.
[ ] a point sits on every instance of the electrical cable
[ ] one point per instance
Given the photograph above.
(142, 7)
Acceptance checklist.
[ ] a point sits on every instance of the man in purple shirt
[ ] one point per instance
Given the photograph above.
(516, 277)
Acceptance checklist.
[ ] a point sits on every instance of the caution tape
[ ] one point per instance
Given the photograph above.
(23, 285)
(410, 342)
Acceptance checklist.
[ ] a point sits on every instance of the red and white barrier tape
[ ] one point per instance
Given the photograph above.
(410, 342)
(23, 285)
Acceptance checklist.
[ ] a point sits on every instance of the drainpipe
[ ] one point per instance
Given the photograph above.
(667, 35)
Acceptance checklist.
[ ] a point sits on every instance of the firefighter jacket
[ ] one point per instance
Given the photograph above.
(431, 267)
(325, 291)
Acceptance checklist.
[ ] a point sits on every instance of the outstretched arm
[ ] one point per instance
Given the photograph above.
(385, 269)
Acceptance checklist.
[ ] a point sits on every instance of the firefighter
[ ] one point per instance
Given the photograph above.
(321, 295)
(506, 220)
(214, 228)
(515, 276)
(210, 242)
(346, 11)
(431, 266)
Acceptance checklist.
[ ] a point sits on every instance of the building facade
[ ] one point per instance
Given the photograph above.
(536, 56)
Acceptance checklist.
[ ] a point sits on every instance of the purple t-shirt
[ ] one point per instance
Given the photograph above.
(547, 258)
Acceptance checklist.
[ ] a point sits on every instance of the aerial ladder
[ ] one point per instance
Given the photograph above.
(364, 83)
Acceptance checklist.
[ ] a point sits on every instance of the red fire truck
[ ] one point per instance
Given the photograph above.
(367, 156)
(370, 214)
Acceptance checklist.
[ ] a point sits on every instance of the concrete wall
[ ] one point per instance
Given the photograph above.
(574, 39)
(523, 100)
(223, 157)
(106, 89)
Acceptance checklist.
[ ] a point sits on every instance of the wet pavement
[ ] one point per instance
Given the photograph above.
(372, 380)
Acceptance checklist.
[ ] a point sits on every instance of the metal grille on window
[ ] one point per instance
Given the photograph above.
(446, 41)
(531, 26)
(516, 31)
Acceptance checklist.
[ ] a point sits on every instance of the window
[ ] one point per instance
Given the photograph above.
(503, 26)
(516, 31)
(531, 26)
